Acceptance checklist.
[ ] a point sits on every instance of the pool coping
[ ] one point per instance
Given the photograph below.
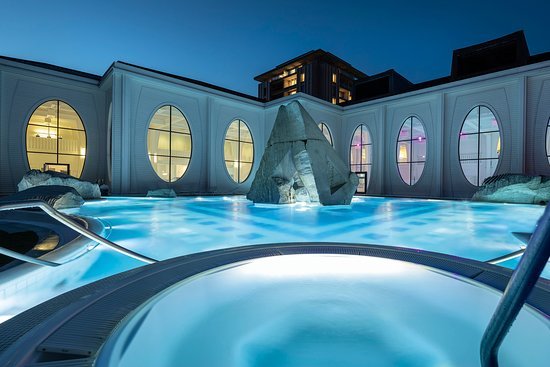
(70, 329)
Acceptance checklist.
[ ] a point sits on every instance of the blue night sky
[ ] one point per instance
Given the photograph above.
(227, 43)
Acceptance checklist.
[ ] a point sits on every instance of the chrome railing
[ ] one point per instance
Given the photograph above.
(519, 287)
(75, 227)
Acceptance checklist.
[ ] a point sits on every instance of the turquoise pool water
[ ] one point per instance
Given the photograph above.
(322, 311)
(164, 228)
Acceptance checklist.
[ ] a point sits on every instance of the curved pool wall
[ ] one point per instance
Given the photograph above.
(166, 228)
(72, 328)
(323, 311)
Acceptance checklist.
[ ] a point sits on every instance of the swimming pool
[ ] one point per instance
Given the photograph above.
(165, 228)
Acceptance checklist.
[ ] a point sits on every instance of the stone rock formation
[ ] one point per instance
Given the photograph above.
(161, 193)
(300, 165)
(35, 177)
(59, 197)
(515, 188)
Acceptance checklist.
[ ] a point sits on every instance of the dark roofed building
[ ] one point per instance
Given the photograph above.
(381, 85)
(317, 73)
(502, 53)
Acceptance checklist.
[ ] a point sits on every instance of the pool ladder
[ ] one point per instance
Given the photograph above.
(519, 287)
(69, 223)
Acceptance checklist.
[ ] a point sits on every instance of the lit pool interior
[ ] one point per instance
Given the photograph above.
(323, 311)
(165, 228)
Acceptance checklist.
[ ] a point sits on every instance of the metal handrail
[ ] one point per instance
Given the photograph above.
(84, 232)
(26, 258)
(510, 256)
(519, 287)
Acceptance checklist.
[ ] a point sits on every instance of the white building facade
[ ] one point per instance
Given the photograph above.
(437, 125)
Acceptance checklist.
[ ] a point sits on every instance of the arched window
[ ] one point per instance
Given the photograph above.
(548, 141)
(361, 156)
(56, 139)
(238, 150)
(169, 143)
(326, 132)
(479, 145)
(411, 150)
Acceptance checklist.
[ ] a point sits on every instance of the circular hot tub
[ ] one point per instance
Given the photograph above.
(321, 310)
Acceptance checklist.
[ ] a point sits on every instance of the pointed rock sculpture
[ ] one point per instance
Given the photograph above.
(299, 164)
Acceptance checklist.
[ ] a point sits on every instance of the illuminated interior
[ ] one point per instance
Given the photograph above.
(479, 145)
(411, 150)
(344, 95)
(361, 156)
(238, 149)
(169, 143)
(56, 139)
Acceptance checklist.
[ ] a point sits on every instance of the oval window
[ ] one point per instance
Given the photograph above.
(361, 157)
(411, 150)
(326, 132)
(56, 139)
(238, 150)
(479, 145)
(169, 143)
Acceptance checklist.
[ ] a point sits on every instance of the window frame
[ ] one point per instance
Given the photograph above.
(170, 132)
(321, 125)
(363, 127)
(57, 128)
(239, 142)
(479, 133)
(410, 140)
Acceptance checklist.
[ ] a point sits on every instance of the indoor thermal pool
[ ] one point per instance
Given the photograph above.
(166, 228)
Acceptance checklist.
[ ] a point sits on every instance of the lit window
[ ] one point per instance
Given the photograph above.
(479, 145)
(238, 150)
(56, 139)
(361, 156)
(302, 77)
(169, 143)
(290, 81)
(333, 100)
(411, 150)
(333, 77)
(547, 141)
(325, 131)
